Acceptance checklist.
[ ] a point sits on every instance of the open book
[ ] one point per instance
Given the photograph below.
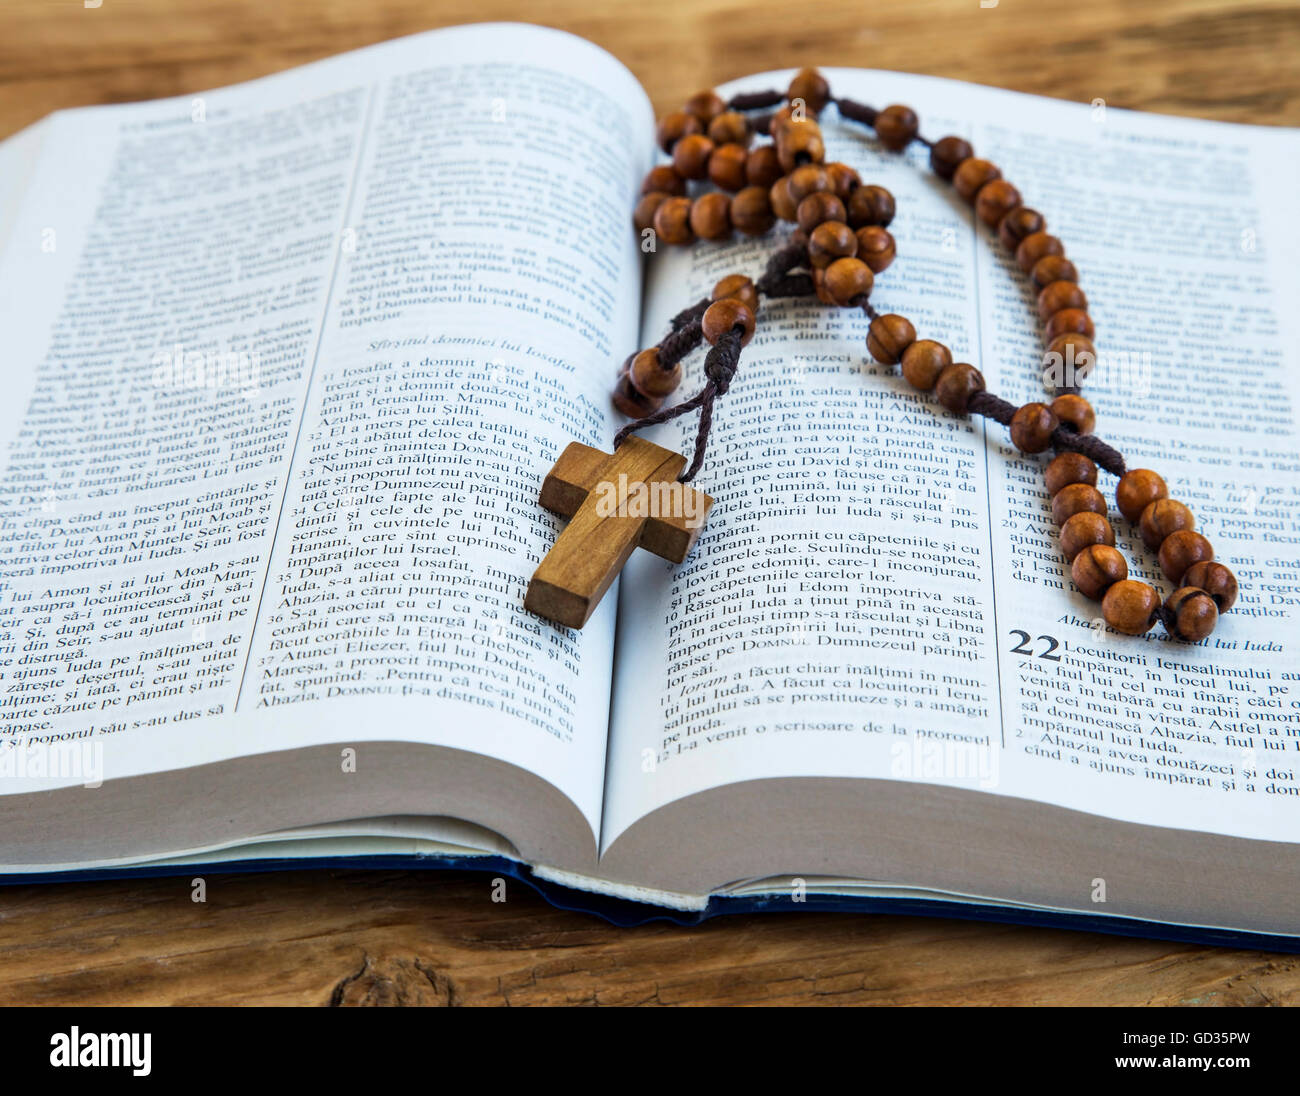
(286, 365)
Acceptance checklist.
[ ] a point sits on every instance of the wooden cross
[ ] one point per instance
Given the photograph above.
(615, 503)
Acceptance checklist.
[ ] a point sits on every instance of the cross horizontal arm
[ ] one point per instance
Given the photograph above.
(672, 535)
(572, 476)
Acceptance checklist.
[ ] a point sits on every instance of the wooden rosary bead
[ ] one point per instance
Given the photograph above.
(888, 336)
(844, 180)
(995, 200)
(1083, 530)
(673, 127)
(691, 156)
(727, 167)
(923, 362)
(1068, 360)
(956, 385)
(730, 128)
(1070, 321)
(780, 119)
(972, 174)
(800, 143)
(817, 209)
(1137, 489)
(763, 166)
(1034, 246)
(725, 315)
(1053, 268)
(739, 286)
(1215, 579)
(1180, 550)
(650, 378)
(829, 242)
(1131, 607)
(751, 211)
(1189, 614)
(1032, 426)
(811, 87)
(876, 247)
(1018, 224)
(848, 279)
(1077, 412)
(871, 205)
(665, 180)
(711, 216)
(705, 105)
(1060, 295)
(1097, 568)
(1161, 518)
(672, 221)
(897, 126)
(1067, 468)
(798, 128)
(643, 216)
(628, 401)
(808, 179)
(781, 200)
(1072, 346)
(947, 153)
(1076, 498)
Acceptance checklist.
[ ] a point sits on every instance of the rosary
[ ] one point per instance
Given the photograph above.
(638, 496)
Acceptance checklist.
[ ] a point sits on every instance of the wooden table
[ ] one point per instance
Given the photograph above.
(412, 938)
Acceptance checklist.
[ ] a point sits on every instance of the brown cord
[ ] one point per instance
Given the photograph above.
(1103, 455)
(992, 407)
(680, 342)
(666, 414)
(686, 315)
(792, 285)
(719, 367)
(860, 112)
(779, 265)
(756, 100)
(723, 357)
(857, 112)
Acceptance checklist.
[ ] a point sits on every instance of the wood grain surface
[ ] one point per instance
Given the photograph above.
(352, 938)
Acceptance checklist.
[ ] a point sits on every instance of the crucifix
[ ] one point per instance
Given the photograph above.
(616, 502)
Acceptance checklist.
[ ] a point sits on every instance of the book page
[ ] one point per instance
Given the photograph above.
(18, 158)
(286, 379)
(880, 592)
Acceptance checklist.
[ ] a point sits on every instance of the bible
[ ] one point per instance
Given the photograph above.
(289, 363)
